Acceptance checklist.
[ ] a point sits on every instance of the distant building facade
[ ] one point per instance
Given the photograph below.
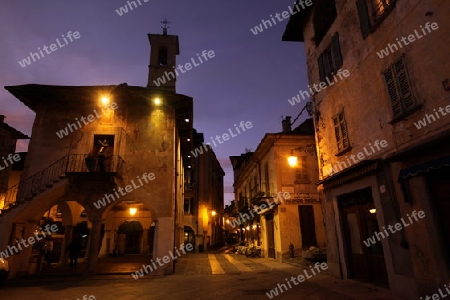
(9, 159)
(204, 204)
(382, 135)
(277, 204)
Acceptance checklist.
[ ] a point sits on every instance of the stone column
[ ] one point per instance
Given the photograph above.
(25, 254)
(164, 237)
(145, 242)
(64, 260)
(94, 245)
(105, 248)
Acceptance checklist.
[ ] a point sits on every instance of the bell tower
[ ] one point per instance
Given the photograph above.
(163, 51)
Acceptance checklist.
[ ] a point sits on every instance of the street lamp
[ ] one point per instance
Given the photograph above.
(292, 160)
(133, 211)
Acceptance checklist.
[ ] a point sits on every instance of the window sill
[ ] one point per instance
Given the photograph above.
(302, 181)
(344, 151)
(406, 114)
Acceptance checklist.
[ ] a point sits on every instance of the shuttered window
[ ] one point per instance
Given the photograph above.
(301, 174)
(324, 16)
(330, 60)
(399, 88)
(341, 133)
(364, 18)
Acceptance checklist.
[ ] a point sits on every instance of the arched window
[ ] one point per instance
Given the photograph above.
(162, 56)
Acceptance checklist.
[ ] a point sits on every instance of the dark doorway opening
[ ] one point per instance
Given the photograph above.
(133, 235)
(439, 184)
(365, 263)
(307, 225)
(270, 235)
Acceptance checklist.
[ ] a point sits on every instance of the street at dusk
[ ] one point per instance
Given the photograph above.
(160, 149)
(198, 276)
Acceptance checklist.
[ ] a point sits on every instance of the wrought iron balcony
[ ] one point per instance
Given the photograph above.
(84, 163)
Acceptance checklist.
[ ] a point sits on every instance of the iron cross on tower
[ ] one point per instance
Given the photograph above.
(165, 26)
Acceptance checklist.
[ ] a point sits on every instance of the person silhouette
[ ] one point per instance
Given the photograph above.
(74, 249)
(101, 155)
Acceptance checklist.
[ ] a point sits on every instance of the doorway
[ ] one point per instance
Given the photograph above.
(270, 235)
(439, 184)
(365, 263)
(307, 225)
(189, 236)
(133, 236)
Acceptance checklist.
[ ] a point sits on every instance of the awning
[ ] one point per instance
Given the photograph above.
(422, 168)
(426, 167)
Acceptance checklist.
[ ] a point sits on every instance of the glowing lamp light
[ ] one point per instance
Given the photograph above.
(157, 101)
(133, 211)
(105, 100)
(248, 228)
(292, 161)
(213, 213)
(372, 210)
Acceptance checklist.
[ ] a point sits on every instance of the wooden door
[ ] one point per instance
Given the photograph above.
(365, 260)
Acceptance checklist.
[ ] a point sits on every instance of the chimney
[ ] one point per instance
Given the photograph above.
(2, 118)
(286, 124)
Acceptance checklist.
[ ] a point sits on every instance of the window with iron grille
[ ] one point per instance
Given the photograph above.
(399, 88)
(340, 131)
(372, 13)
(331, 59)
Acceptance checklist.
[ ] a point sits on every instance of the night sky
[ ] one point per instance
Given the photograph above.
(250, 78)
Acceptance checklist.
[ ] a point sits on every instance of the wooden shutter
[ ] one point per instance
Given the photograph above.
(393, 93)
(364, 18)
(344, 132)
(403, 84)
(336, 51)
(337, 133)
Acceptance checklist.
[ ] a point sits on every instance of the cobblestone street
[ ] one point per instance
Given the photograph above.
(198, 276)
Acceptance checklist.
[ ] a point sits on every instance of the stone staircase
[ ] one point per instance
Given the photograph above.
(27, 189)
(32, 186)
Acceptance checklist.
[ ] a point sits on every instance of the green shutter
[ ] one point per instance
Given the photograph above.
(364, 18)
(403, 84)
(337, 133)
(393, 93)
(336, 51)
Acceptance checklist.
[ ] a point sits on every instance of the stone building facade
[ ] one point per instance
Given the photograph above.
(107, 165)
(380, 100)
(278, 205)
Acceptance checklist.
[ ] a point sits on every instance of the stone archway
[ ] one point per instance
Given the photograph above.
(130, 235)
(189, 236)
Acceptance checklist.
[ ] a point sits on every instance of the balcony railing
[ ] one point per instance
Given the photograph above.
(84, 163)
(73, 163)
